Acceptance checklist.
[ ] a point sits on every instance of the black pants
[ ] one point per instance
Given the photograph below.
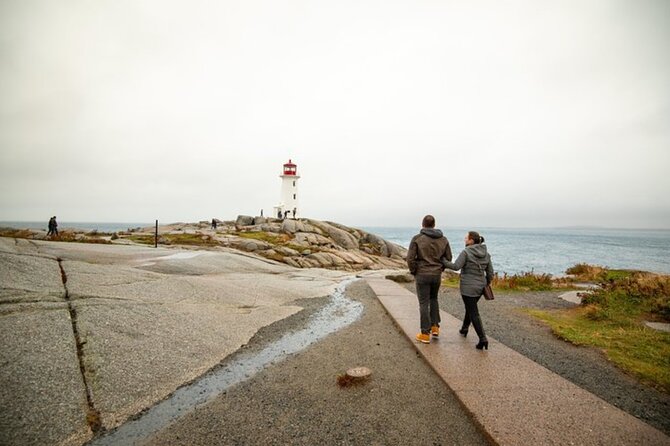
(429, 309)
(472, 315)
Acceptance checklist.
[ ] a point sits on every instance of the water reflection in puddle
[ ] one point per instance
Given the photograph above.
(338, 313)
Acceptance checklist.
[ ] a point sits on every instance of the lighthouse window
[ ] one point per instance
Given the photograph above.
(294, 184)
(294, 196)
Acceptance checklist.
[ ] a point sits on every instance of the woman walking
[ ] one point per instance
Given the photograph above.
(476, 272)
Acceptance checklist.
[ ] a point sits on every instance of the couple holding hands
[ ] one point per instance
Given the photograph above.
(428, 255)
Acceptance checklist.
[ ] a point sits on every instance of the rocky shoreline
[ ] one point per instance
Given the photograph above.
(301, 243)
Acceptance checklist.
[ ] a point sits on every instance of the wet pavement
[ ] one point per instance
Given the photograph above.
(513, 399)
(338, 313)
(95, 334)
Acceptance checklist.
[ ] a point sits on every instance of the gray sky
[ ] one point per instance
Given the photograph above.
(483, 113)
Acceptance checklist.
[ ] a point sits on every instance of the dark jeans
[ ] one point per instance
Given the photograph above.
(429, 309)
(472, 315)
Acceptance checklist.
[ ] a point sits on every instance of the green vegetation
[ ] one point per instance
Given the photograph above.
(528, 281)
(283, 240)
(450, 279)
(611, 318)
(72, 237)
(174, 239)
(188, 239)
(592, 273)
(145, 239)
(273, 239)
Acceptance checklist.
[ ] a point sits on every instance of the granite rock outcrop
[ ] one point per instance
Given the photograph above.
(301, 243)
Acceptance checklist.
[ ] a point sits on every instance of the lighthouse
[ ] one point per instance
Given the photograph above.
(288, 199)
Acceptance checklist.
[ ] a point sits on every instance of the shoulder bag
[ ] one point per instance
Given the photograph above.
(488, 291)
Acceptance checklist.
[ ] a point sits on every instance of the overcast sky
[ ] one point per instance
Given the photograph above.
(483, 113)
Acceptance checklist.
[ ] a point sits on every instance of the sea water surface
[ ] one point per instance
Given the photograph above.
(555, 250)
(545, 250)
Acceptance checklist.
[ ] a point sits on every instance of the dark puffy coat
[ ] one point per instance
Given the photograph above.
(426, 252)
(476, 269)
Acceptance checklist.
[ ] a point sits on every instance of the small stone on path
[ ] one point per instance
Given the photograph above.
(359, 373)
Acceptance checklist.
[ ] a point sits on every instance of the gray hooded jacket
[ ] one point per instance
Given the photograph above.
(476, 269)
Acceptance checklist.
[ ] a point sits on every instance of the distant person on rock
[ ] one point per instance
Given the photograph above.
(424, 261)
(53, 226)
(279, 214)
(476, 272)
(214, 223)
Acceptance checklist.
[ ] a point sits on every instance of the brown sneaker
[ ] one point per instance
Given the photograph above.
(425, 338)
(435, 331)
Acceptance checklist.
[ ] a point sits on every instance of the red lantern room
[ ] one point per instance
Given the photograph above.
(290, 168)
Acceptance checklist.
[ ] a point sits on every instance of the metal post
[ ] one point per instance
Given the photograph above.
(156, 236)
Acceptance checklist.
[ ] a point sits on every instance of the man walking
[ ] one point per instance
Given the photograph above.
(423, 259)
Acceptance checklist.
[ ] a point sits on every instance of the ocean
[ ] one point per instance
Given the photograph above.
(512, 250)
(555, 250)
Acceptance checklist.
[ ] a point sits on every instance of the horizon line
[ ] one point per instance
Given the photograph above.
(368, 225)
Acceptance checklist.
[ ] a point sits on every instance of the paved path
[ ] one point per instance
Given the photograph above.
(513, 399)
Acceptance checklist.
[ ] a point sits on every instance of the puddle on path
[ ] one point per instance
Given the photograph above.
(337, 314)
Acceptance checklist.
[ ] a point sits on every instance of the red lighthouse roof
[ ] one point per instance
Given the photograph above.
(290, 168)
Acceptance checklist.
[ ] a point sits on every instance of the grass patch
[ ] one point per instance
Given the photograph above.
(187, 239)
(633, 347)
(593, 273)
(450, 279)
(283, 240)
(145, 239)
(612, 317)
(528, 281)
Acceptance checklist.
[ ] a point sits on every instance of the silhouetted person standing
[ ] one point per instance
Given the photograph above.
(53, 226)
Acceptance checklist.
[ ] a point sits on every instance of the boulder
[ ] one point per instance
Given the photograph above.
(249, 245)
(340, 237)
(287, 251)
(244, 220)
(385, 248)
(260, 220)
(289, 226)
(311, 239)
(271, 227)
(292, 226)
(293, 262)
(321, 259)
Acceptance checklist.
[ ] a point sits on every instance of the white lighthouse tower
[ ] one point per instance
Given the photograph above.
(288, 200)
